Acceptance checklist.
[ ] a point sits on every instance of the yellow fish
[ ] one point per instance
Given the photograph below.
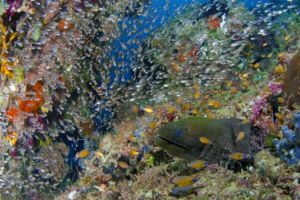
(148, 110)
(184, 180)
(205, 140)
(214, 104)
(12, 138)
(123, 165)
(195, 112)
(133, 153)
(99, 154)
(44, 109)
(279, 69)
(256, 65)
(131, 138)
(280, 100)
(237, 156)
(83, 153)
(240, 136)
(198, 164)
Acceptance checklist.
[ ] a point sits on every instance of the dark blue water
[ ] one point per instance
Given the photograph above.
(157, 13)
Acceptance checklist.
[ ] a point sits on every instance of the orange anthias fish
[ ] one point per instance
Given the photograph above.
(83, 153)
(214, 104)
(134, 152)
(213, 23)
(237, 156)
(198, 164)
(123, 165)
(184, 180)
(205, 140)
(148, 110)
(240, 136)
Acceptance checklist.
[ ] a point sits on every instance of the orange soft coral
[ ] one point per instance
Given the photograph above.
(213, 23)
(31, 105)
(12, 114)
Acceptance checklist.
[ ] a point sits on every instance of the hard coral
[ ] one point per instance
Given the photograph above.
(288, 148)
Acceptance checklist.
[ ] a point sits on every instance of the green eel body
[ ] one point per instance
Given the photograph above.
(181, 138)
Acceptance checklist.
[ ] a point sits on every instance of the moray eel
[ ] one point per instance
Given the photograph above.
(181, 138)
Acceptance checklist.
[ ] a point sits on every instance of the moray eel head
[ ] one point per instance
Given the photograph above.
(181, 138)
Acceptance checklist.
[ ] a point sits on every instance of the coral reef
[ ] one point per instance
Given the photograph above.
(62, 88)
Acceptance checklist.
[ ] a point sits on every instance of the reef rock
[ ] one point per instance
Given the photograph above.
(292, 81)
